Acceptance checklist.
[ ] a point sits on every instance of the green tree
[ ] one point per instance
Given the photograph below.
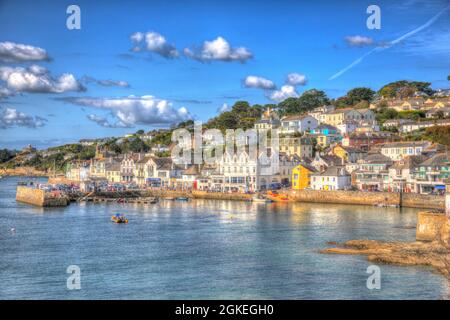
(359, 94)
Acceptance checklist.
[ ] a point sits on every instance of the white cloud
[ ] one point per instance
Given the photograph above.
(37, 79)
(154, 42)
(296, 79)
(219, 50)
(5, 93)
(11, 117)
(286, 91)
(17, 52)
(102, 121)
(359, 41)
(133, 110)
(258, 82)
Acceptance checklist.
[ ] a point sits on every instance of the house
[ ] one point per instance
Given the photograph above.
(286, 164)
(365, 141)
(112, 171)
(438, 113)
(333, 178)
(339, 116)
(413, 126)
(348, 154)
(398, 150)
(321, 162)
(298, 123)
(347, 127)
(325, 135)
(392, 123)
(430, 175)
(319, 112)
(127, 166)
(269, 120)
(401, 173)
(189, 178)
(78, 170)
(301, 176)
(372, 173)
(300, 146)
(241, 173)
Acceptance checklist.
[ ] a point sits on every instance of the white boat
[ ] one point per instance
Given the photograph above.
(261, 199)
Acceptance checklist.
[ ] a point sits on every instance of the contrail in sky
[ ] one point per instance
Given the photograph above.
(389, 44)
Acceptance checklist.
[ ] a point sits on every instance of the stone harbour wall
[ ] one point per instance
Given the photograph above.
(39, 197)
(433, 226)
(410, 200)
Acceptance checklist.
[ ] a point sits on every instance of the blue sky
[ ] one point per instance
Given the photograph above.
(267, 39)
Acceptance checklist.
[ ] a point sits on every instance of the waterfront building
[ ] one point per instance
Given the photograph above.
(301, 176)
(112, 171)
(127, 166)
(372, 173)
(430, 175)
(78, 170)
(333, 178)
(401, 174)
(298, 123)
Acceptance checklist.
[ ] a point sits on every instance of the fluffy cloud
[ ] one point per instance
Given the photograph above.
(132, 110)
(218, 50)
(11, 117)
(286, 91)
(106, 83)
(16, 52)
(102, 121)
(5, 93)
(154, 42)
(37, 79)
(258, 82)
(359, 41)
(296, 79)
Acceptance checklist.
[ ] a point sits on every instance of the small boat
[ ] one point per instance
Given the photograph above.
(261, 199)
(169, 198)
(121, 200)
(182, 198)
(119, 218)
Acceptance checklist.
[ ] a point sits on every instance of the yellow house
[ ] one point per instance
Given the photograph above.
(301, 176)
(348, 154)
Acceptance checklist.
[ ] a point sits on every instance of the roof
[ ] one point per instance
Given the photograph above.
(325, 126)
(296, 117)
(162, 163)
(308, 166)
(405, 144)
(192, 171)
(409, 162)
(333, 171)
(377, 158)
(336, 111)
(112, 166)
(437, 160)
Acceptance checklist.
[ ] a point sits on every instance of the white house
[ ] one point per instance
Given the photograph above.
(298, 123)
(333, 178)
(398, 150)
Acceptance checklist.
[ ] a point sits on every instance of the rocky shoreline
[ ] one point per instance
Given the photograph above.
(431, 254)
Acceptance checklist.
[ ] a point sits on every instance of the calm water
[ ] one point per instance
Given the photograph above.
(201, 250)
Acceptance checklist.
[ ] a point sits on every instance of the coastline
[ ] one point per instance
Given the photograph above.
(383, 199)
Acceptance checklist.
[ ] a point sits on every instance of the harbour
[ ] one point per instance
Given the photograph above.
(202, 248)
